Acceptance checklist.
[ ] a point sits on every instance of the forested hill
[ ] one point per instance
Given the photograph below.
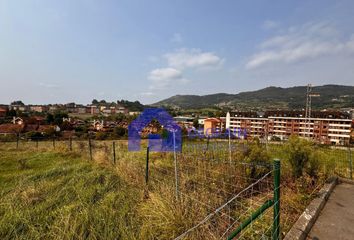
(331, 96)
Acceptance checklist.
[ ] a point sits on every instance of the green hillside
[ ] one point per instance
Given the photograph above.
(331, 96)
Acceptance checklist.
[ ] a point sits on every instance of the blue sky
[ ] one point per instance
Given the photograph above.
(63, 51)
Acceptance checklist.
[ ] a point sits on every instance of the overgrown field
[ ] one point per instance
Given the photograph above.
(57, 192)
(51, 195)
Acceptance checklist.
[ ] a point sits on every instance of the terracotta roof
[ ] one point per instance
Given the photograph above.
(31, 127)
(212, 120)
(10, 128)
(43, 128)
(39, 118)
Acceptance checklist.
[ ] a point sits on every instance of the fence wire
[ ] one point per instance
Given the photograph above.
(215, 193)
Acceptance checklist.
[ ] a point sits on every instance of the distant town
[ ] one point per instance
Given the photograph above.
(109, 120)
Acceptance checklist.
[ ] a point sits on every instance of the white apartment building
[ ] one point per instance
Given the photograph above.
(325, 128)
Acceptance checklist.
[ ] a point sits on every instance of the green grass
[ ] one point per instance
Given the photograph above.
(331, 160)
(48, 193)
(52, 195)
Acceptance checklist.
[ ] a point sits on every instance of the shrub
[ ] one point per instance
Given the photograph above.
(49, 132)
(8, 138)
(34, 135)
(258, 159)
(101, 136)
(119, 132)
(314, 164)
(298, 151)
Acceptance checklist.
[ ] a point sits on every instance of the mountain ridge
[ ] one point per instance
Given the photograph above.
(272, 97)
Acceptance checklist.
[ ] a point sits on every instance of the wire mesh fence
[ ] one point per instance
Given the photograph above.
(329, 160)
(210, 186)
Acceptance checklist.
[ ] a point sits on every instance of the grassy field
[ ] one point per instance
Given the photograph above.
(55, 193)
(52, 195)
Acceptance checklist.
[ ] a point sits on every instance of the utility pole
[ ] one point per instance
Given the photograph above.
(309, 96)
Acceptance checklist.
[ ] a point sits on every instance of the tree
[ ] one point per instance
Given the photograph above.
(49, 132)
(119, 132)
(196, 122)
(49, 118)
(94, 101)
(81, 129)
(119, 117)
(66, 126)
(33, 135)
(58, 117)
(18, 102)
(211, 114)
(11, 113)
(220, 114)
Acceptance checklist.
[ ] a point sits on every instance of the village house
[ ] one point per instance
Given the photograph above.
(104, 126)
(74, 122)
(107, 111)
(102, 108)
(94, 110)
(120, 109)
(38, 120)
(78, 123)
(16, 107)
(38, 108)
(54, 108)
(134, 113)
(3, 111)
(98, 125)
(70, 107)
(80, 109)
(113, 109)
(212, 125)
(17, 121)
(67, 119)
(184, 121)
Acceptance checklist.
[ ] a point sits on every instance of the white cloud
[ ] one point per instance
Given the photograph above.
(310, 41)
(269, 24)
(48, 85)
(162, 77)
(178, 62)
(177, 38)
(192, 58)
(147, 94)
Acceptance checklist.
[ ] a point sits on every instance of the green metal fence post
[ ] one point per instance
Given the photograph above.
(276, 216)
(252, 218)
(147, 165)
